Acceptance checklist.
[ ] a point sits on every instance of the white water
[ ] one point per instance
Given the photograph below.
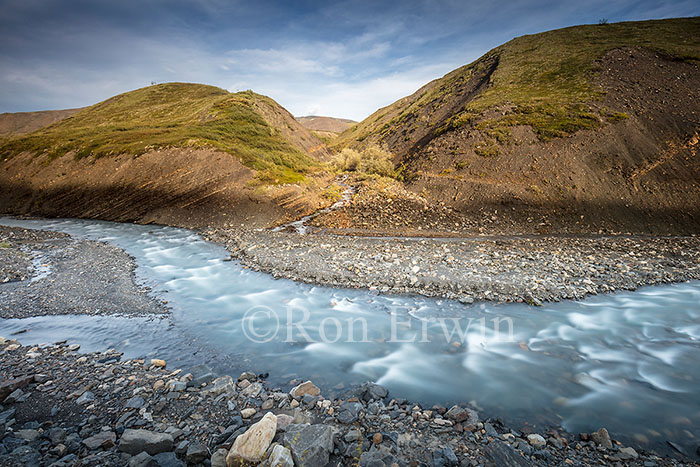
(627, 361)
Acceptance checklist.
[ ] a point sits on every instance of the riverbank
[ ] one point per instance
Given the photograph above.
(531, 269)
(60, 407)
(49, 273)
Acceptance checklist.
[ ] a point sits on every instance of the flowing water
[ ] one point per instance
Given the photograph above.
(627, 361)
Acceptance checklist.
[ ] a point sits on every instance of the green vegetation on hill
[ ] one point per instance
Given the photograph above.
(173, 114)
(542, 80)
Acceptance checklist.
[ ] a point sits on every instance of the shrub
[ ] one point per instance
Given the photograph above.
(373, 160)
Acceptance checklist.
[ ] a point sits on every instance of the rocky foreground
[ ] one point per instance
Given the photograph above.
(530, 269)
(63, 408)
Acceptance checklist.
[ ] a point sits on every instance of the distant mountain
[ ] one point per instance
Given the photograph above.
(584, 124)
(327, 124)
(20, 123)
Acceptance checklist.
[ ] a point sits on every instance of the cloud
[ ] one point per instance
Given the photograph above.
(343, 59)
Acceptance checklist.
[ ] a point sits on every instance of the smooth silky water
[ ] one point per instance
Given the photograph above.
(628, 361)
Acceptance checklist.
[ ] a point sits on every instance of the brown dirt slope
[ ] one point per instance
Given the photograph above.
(20, 123)
(624, 157)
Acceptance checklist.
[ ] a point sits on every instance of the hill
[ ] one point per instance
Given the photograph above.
(173, 153)
(329, 124)
(599, 121)
(20, 123)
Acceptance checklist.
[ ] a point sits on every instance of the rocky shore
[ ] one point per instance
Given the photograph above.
(530, 269)
(48, 273)
(63, 408)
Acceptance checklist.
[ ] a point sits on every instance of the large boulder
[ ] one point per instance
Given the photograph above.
(137, 441)
(250, 447)
(311, 445)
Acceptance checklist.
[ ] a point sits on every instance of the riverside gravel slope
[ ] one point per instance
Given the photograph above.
(50, 273)
(529, 269)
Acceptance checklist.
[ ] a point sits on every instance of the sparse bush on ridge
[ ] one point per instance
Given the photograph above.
(372, 160)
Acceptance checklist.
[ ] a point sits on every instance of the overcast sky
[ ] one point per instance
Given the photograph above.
(342, 59)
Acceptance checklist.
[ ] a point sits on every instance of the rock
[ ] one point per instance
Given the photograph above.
(201, 374)
(467, 417)
(627, 454)
(219, 386)
(280, 457)
(135, 402)
(103, 439)
(304, 388)
(28, 435)
(74, 347)
(252, 391)
(9, 386)
(377, 438)
(136, 441)
(445, 457)
(14, 396)
(602, 438)
(176, 386)
(536, 441)
(310, 445)
(158, 363)
(218, 459)
(246, 375)
(143, 460)
(57, 435)
(168, 459)
(283, 421)
(247, 413)
(375, 391)
(85, 398)
(501, 454)
(250, 447)
(196, 453)
(349, 412)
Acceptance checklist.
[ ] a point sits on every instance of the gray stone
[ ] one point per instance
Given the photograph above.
(14, 396)
(445, 457)
(168, 459)
(349, 412)
(536, 441)
(280, 457)
(627, 454)
(196, 453)
(375, 391)
(176, 386)
(86, 398)
(142, 460)
(57, 435)
(103, 439)
(252, 391)
(221, 385)
(135, 402)
(218, 459)
(501, 454)
(201, 374)
(283, 421)
(136, 441)
(310, 445)
(28, 435)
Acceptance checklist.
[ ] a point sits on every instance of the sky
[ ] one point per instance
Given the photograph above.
(337, 58)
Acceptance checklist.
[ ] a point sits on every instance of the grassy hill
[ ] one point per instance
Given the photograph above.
(589, 127)
(180, 115)
(542, 80)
